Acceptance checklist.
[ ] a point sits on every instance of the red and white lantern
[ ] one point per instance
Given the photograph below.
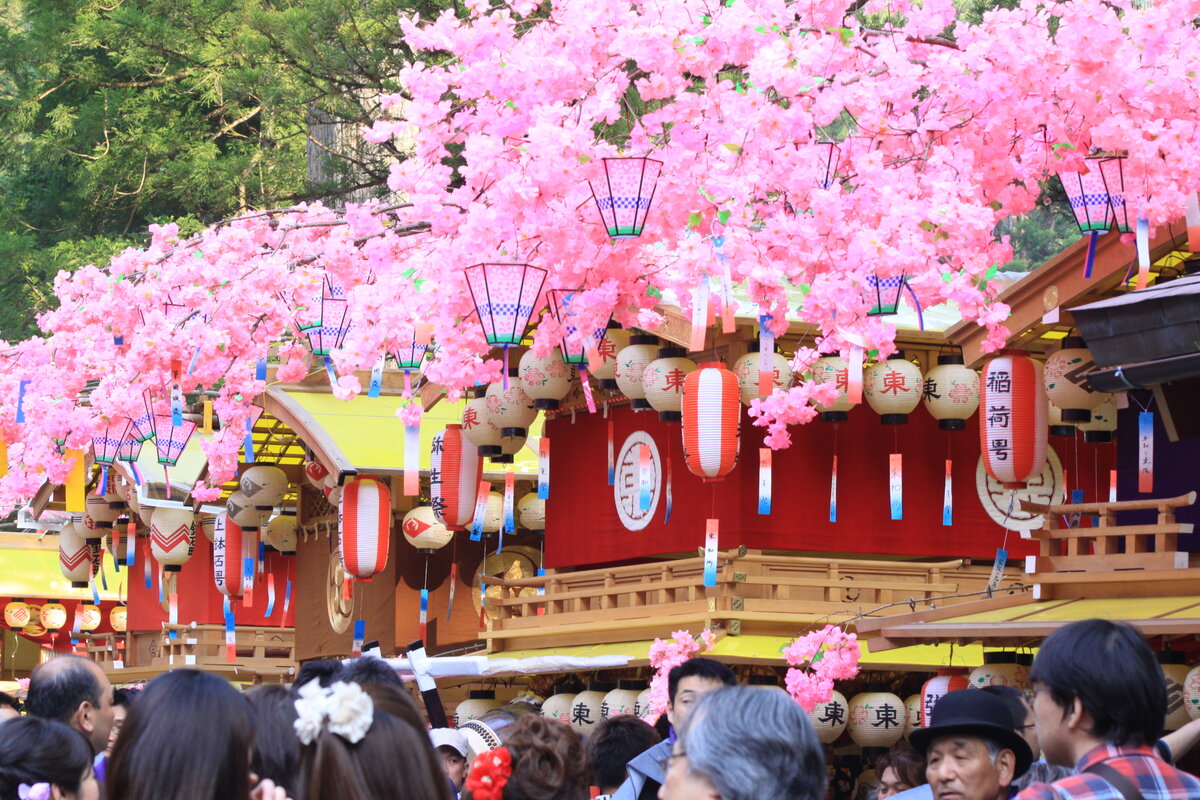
(316, 473)
(947, 680)
(893, 388)
(229, 548)
(711, 421)
(454, 476)
(632, 361)
(172, 537)
(1012, 426)
(364, 525)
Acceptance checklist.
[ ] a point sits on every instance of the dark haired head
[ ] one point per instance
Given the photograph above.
(370, 670)
(1014, 699)
(74, 691)
(188, 737)
(34, 750)
(125, 697)
(324, 672)
(908, 765)
(548, 761)
(276, 748)
(8, 701)
(705, 668)
(613, 743)
(1111, 670)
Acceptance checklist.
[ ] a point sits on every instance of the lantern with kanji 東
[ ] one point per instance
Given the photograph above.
(478, 427)
(893, 388)
(832, 368)
(748, 367)
(829, 718)
(711, 420)
(1013, 411)
(951, 392)
(630, 369)
(876, 719)
(605, 369)
(663, 381)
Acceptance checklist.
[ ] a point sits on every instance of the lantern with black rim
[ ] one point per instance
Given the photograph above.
(565, 306)
(505, 297)
(1090, 204)
(623, 198)
(1112, 172)
(410, 357)
(883, 294)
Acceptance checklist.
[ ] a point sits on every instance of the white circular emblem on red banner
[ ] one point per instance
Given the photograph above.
(1045, 488)
(627, 481)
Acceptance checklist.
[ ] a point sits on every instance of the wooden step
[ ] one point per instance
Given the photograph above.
(1116, 530)
(1042, 565)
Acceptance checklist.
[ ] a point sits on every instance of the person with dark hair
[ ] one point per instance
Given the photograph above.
(1099, 704)
(323, 672)
(358, 742)
(276, 750)
(614, 743)
(450, 745)
(120, 707)
(75, 692)
(743, 743)
(899, 770)
(686, 684)
(10, 707)
(541, 759)
(369, 669)
(1022, 712)
(45, 758)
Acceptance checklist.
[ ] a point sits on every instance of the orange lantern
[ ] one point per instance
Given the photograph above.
(1066, 380)
(118, 618)
(454, 475)
(951, 392)
(893, 388)
(711, 420)
(832, 368)
(949, 679)
(1012, 428)
(16, 614)
(54, 616)
(172, 537)
(663, 381)
(364, 524)
(631, 367)
(89, 617)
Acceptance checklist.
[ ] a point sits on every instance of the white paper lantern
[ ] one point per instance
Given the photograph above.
(244, 512)
(829, 719)
(998, 669)
(546, 379)
(663, 381)
(558, 705)
(585, 710)
(208, 523)
(632, 361)
(531, 512)
(641, 707)
(605, 370)
(493, 520)
(281, 534)
(1191, 689)
(478, 703)
(478, 427)
(912, 713)
(1175, 672)
(876, 719)
(510, 409)
(173, 537)
(832, 369)
(1103, 423)
(622, 700)
(951, 393)
(264, 485)
(747, 369)
(1054, 422)
(1066, 380)
(509, 447)
(100, 514)
(893, 388)
(424, 530)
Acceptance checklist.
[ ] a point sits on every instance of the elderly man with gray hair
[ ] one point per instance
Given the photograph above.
(743, 743)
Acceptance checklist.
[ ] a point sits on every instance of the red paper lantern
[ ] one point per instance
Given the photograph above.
(455, 471)
(228, 556)
(364, 525)
(1013, 419)
(711, 418)
(947, 680)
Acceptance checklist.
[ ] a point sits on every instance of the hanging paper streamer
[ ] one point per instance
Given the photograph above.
(453, 589)
(330, 372)
(95, 593)
(1076, 497)
(248, 441)
(645, 478)
(543, 489)
(412, 460)
(896, 485)
(173, 608)
(1142, 237)
(103, 578)
(1193, 222)
(764, 480)
(176, 405)
(1145, 451)
(230, 634)
(1090, 261)
(833, 492)
(76, 484)
(131, 538)
(116, 548)
(424, 611)
(270, 595)
(728, 315)
(854, 378)
(360, 633)
(699, 315)
(21, 401)
(260, 369)
(206, 419)
(287, 603)
(948, 495)
(377, 378)
(480, 511)
(587, 389)
(248, 582)
(146, 566)
(1112, 486)
(509, 524)
(162, 598)
(766, 356)
(710, 552)
(612, 459)
(997, 569)
(669, 497)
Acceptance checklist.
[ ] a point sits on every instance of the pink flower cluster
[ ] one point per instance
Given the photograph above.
(816, 660)
(668, 654)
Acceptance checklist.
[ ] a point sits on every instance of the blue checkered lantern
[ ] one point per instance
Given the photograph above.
(106, 446)
(505, 297)
(623, 198)
(1090, 204)
(1112, 170)
(883, 294)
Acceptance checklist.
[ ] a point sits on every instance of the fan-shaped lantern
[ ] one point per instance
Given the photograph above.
(893, 388)
(546, 379)
(89, 617)
(951, 392)
(228, 552)
(711, 421)
(244, 512)
(558, 705)
(531, 512)
(948, 679)
(912, 713)
(831, 368)
(75, 557)
(829, 718)
(424, 530)
(172, 537)
(478, 703)
(615, 340)
(316, 472)
(663, 380)
(264, 485)
(510, 409)
(16, 614)
(1013, 411)
(454, 474)
(505, 296)
(118, 618)
(585, 710)
(630, 368)
(99, 515)
(364, 525)
(621, 701)
(624, 195)
(493, 519)
(54, 616)
(1054, 422)
(1103, 423)
(876, 719)
(747, 368)
(478, 426)
(1066, 380)
(281, 534)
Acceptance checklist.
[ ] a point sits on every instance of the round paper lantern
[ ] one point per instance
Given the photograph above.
(478, 703)
(1175, 671)
(605, 369)
(454, 475)
(207, 523)
(334, 496)
(100, 514)
(364, 524)
(118, 618)
(947, 680)
(999, 669)
(172, 537)
(1012, 429)
(951, 392)
(663, 381)
(893, 388)
(478, 426)
(912, 713)
(281, 534)
(876, 719)
(711, 420)
(585, 711)
(54, 616)
(832, 369)
(493, 520)
(1055, 425)
(829, 718)
(264, 485)
(531, 512)
(244, 512)
(641, 708)
(89, 617)
(510, 409)
(1191, 691)
(228, 554)
(558, 705)
(545, 379)
(1066, 380)
(424, 530)
(75, 556)
(630, 368)
(622, 700)
(746, 368)
(16, 614)
(1103, 423)
(316, 472)
(509, 447)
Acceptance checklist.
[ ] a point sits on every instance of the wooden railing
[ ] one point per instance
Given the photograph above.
(259, 652)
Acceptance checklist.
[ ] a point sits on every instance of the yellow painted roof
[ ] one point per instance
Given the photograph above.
(35, 573)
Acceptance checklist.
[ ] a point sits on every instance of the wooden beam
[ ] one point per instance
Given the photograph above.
(296, 417)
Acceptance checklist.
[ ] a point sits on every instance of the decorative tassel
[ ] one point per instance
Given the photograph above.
(587, 389)
(668, 495)
(453, 589)
(21, 401)
(287, 603)
(102, 489)
(854, 380)
(360, 633)
(504, 374)
(167, 479)
(424, 618)
(330, 372)
(948, 495)
(766, 357)
(480, 511)
(377, 379)
(248, 441)
(1112, 486)
(270, 595)
(260, 369)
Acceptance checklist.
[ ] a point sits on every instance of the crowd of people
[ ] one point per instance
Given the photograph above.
(1090, 730)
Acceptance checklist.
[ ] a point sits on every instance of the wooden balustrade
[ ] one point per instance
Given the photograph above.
(260, 652)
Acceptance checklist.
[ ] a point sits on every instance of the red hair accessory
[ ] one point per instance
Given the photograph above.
(489, 774)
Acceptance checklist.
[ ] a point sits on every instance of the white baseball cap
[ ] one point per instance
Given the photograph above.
(448, 737)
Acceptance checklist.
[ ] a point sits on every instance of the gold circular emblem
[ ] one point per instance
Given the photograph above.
(339, 606)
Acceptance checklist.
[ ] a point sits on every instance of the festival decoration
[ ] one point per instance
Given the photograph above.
(578, 344)
(509, 447)
(424, 530)
(454, 476)
(119, 546)
(586, 710)
(107, 446)
(243, 512)
(882, 295)
(170, 438)
(828, 717)
(172, 537)
(76, 558)
(1067, 386)
(1103, 423)
(604, 362)
(711, 421)
(229, 553)
(558, 705)
(893, 388)
(951, 392)
(100, 514)
(1090, 204)
(664, 656)
(1054, 422)
(947, 679)
(747, 370)
(1175, 672)
(831, 368)
(89, 617)
(54, 616)
(912, 713)
(1112, 171)
(510, 409)
(1012, 427)
(280, 534)
(630, 368)
(876, 718)
(479, 427)
(1191, 692)
(624, 195)
(663, 382)
(364, 525)
(622, 700)
(998, 669)
(263, 485)
(545, 379)
(16, 614)
(816, 660)
(505, 296)
(118, 618)
(409, 355)
(531, 513)
(478, 703)
(316, 473)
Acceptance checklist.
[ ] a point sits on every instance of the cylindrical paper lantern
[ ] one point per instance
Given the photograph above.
(1012, 425)
(949, 679)
(632, 361)
(280, 534)
(746, 369)
(1191, 688)
(585, 711)
(531, 512)
(1055, 425)
(228, 552)
(1066, 380)
(832, 369)
(615, 340)
(1103, 423)
(558, 705)
(663, 381)
(16, 614)
(454, 476)
(478, 703)
(364, 525)
(711, 421)
(876, 719)
(622, 700)
(493, 520)
(118, 618)
(264, 485)
(829, 718)
(173, 537)
(641, 708)
(478, 426)
(54, 616)
(100, 514)
(545, 379)
(893, 388)
(511, 410)
(1175, 671)
(912, 713)
(951, 392)
(424, 530)
(89, 617)
(999, 669)
(75, 557)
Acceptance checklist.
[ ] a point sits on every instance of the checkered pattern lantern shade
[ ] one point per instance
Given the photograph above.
(142, 426)
(883, 294)
(328, 333)
(408, 354)
(624, 196)
(131, 447)
(1112, 171)
(107, 445)
(574, 348)
(1088, 198)
(505, 297)
(169, 439)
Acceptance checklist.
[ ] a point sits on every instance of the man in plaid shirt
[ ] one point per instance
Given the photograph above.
(1099, 705)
